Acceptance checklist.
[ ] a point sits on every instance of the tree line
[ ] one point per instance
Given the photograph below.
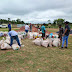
(18, 21)
(59, 21)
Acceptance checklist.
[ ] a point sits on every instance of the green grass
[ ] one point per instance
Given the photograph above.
(6, 29)
(32, 58)
(52, 29)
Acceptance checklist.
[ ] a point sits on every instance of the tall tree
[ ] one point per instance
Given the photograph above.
(8, 19)
(49, 21)
(58, 21)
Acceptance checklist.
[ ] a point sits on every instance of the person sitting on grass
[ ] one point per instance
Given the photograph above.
(14, 36)
(43, 31)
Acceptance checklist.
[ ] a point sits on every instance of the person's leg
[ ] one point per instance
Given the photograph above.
(43, 36)
(67, 41)
(63, 41)
(17, 39)
(11, 41)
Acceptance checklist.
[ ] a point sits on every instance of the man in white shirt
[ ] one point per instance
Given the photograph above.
(26, 28)
(14, 35)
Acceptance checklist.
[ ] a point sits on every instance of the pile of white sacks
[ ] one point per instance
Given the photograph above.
(48, 42)
(4, 43)
(34, 35)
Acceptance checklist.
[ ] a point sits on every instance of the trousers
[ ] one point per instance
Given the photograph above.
(15, 38)
(65, 38)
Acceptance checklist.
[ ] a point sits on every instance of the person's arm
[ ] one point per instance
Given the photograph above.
(9, 34)
(59, 32)
(65, 31)
(8, 25)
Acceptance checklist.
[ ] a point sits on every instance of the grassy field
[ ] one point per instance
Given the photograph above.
(6, 29)
(34, 58)
(52, 29)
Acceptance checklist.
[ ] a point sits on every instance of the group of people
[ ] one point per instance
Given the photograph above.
(63, 34)
(14, 35)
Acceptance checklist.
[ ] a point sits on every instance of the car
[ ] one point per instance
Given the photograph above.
(3, 26)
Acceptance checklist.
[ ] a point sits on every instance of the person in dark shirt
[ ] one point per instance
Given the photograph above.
(66, 35)
(30, 27)
(60, 32)
(9, 27)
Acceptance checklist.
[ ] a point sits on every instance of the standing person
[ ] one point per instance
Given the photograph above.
(26, 28)
(43, 31)
(61, 31)
(13, 35)
(30, 27)
(9, 27)
(66, 35)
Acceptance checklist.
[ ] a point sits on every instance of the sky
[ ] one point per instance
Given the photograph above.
(36, 11)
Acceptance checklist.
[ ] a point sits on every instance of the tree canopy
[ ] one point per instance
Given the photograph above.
(59, 21)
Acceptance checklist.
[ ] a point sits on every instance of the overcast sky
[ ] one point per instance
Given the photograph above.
(36, 11)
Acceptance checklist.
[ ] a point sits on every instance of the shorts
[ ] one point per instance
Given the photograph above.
(43, 34)
(26, 31)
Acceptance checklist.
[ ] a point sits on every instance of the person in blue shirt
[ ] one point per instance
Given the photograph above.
(43, 30)
(14, 36)
(9, 27)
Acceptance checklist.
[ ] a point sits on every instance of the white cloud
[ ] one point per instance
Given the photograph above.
(36, 11)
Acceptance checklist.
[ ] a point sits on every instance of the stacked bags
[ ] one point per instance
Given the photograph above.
(4, 44)
(48, 42)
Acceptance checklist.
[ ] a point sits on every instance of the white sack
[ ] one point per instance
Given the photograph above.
(20, 36)
(1, 42)
(45, 43)
(38, 41)
(7, 37)
(5, 46)
(30, 35)
(7, 41)
(15, 47)
(50, 42)
(56, 42)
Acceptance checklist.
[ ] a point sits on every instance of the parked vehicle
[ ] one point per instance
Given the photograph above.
(3, 26)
